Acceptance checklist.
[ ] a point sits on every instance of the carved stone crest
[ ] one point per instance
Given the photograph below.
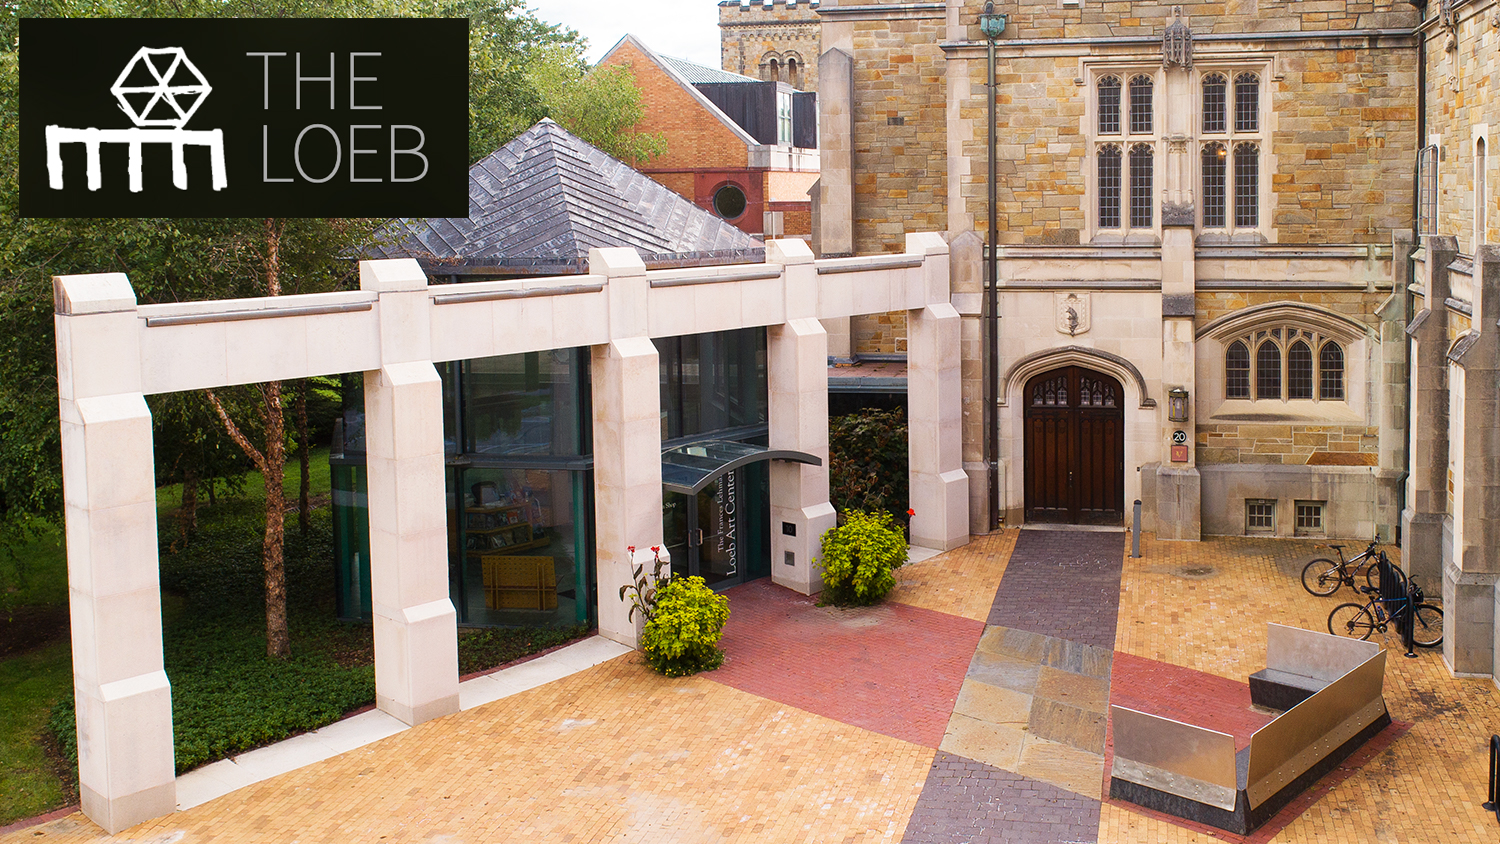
(1073, 313)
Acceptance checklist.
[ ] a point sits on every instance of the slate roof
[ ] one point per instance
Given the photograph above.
(697, 73)
(539, 203)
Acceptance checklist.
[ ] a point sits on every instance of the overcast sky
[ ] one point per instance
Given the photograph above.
(686, 29)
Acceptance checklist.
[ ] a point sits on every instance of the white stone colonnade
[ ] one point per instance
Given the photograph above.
(113, 352)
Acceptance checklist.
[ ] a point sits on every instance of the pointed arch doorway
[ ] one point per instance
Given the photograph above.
(1075, 447)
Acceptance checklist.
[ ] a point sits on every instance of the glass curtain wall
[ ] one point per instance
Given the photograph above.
(517, 443)
(714, 387)
(520, 489)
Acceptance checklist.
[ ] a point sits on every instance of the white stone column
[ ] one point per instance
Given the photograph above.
(627, 439)
(1179, 487)
(416, 631)
(934, 395)
(836, 166)
(124, 701)
(797, 366)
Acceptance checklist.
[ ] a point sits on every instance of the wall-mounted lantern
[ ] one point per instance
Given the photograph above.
(1177, 404)
(991, 24)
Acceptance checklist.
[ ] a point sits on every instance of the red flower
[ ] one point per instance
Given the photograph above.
(910, 512)
(630, 548)
(656, 549)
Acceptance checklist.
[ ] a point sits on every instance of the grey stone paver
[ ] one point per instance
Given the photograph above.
(968, 801)
(1063, 584)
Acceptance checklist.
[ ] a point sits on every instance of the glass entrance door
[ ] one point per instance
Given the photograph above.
(705, 531)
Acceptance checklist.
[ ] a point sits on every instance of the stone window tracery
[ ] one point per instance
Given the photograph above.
(1291, 363)
(1122, 177)
(1230, 159)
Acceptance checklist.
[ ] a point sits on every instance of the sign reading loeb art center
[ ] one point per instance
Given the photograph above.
(244, 118)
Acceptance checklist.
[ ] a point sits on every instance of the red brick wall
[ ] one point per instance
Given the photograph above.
(696, 138)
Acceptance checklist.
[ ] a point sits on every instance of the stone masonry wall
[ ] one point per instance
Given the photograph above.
(1357, 305)
(1099, 18)
(1460, 95)
(1310, 445)
(900, 146)
(748, 33)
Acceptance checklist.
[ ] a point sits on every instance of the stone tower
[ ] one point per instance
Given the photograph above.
(772, 40)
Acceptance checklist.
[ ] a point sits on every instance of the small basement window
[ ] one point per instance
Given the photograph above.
(1310, 518)
(1260, 515)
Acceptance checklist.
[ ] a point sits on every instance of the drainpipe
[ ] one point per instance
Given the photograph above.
(992, 25)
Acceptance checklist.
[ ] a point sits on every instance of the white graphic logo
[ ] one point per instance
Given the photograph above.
(159, 89)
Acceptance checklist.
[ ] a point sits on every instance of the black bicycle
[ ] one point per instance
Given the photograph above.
(1323, 576)
(1359, 621)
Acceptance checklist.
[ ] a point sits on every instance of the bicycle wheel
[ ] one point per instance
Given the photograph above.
(1427, 628)
(1352, 620)
(1372, 575)
(1322, 577)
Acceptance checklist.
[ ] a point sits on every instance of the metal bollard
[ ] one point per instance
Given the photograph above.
(1135, 531)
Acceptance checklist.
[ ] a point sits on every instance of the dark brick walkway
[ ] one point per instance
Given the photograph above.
(1064, 584)
(970, 802)
(892, 669)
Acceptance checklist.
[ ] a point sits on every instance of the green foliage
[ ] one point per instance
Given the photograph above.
(682, 633)
(479, 650)
(858, 558)
(601, 106)
(867, 462)
(28, 685)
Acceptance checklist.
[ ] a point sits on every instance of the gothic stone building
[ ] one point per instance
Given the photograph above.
(1221, 200)
(774, 40)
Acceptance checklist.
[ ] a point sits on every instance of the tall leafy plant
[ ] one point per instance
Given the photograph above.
(859, 557)
(867, 462)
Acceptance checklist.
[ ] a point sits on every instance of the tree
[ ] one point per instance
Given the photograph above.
(192, 259)
(601, 106)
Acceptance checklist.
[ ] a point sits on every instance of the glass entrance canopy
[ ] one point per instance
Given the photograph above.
(689, 468)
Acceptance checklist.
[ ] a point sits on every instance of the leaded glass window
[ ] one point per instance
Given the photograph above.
(1331, 366)
(1268, 371)
(1299, 371)
(1237, 371)
(1109, 187)
(1246, 185)
(1215, 90)
(1109, 105)
(1140, 186)
(1215, 164)
(1247, 103)
(1140, 105)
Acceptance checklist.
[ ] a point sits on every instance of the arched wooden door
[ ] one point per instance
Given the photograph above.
(1075, 447)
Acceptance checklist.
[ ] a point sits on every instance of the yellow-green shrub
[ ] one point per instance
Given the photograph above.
(683, 629)
(858, 558)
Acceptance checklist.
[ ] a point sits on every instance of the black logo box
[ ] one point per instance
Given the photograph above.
(411, 73)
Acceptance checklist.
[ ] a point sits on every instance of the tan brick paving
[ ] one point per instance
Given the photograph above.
(961, 582)
(1426, 787)
(617, 754)
(613, 753)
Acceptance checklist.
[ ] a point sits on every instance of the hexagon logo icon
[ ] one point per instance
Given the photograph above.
(160, 87)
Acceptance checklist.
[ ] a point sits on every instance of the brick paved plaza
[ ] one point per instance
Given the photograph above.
(971, 708)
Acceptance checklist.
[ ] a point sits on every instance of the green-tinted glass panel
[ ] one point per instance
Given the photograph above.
(527, 404)
(351, 539)
(710, 382)
(525, 547)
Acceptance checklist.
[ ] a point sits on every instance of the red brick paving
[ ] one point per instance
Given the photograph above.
(892, 669)
(1182, 694)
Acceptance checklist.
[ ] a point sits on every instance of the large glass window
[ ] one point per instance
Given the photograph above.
(1314, 367)
(524, 539)
(1214, 168)
(1140, 186)
(712, 382)
(1214, 98)
(1427, 180)
(532, 403)
(1229, 169)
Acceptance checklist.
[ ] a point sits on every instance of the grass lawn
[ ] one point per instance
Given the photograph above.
(29, 686)
(227, 696)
